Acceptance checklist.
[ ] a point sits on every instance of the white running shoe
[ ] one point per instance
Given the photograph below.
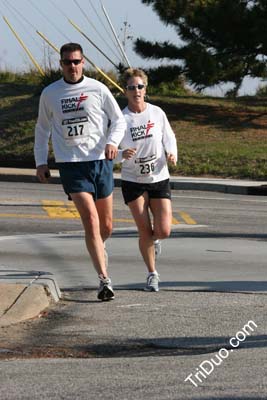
(152, 284)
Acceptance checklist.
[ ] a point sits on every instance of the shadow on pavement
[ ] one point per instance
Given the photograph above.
(175, 346)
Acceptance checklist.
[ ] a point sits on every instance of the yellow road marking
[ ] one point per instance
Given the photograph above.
(71, 215)
(39, 216)
(175, 221)
(56, 209)
(187, 219)
(32, 216)
(59, 209)
(123, 220)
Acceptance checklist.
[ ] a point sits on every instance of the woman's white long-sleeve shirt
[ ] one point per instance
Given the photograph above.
(81, 119)
(150, 133)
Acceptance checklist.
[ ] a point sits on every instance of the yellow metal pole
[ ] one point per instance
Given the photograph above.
(50, 44)
(90, 41)
(105, 75)
(25, 48)
(91, 62)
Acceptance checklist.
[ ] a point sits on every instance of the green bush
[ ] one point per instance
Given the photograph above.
(262, 91)
(7, 77)
(23, 78)
(175, 88)
(50, 76)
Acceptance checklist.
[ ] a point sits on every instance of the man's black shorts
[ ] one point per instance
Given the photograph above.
(158, 190)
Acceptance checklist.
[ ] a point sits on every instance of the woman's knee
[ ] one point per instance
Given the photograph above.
(162, 233)
(146, 235)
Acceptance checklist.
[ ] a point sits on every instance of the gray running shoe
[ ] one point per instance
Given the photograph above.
(152, 283)
(105, 291)
(157, 247)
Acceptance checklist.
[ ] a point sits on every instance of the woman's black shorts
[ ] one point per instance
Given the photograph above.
(158, 190)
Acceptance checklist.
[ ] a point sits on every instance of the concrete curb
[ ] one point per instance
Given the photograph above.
(224, 187)
(24, 295)
(34, 279)
(26, 302)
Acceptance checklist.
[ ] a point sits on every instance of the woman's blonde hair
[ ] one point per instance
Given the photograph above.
(131, 73)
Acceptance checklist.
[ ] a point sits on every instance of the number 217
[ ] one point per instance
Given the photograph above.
(76, 130)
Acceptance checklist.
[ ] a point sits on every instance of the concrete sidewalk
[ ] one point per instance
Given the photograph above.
(211, 264)
(211, 303)
(211, 306)
(233, 186)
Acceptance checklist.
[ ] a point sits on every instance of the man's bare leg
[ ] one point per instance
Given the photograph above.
(87, 209)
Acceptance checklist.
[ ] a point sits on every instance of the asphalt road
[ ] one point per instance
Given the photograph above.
(141, 345)
(37, 208)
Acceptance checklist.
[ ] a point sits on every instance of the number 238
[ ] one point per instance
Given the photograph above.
(146, 168)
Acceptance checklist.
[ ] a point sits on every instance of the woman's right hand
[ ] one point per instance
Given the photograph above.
(128, 153)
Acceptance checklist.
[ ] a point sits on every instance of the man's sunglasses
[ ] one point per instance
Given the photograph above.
(133, 87)
(69, 62)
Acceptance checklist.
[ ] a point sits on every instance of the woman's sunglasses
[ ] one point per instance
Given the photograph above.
(133, 87)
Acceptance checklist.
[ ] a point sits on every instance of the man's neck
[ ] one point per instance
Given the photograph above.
(74, 83)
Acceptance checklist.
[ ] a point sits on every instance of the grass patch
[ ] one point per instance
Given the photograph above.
(219, 137)
(216, 136)
(19, 109)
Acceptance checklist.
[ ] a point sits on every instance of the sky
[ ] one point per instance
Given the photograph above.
(130, 19)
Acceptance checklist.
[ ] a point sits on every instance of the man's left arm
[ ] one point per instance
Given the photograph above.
(117, 126)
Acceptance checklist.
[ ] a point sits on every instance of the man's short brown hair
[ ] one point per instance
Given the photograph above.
(70, 47)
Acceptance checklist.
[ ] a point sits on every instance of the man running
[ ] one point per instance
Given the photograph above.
(86, 126)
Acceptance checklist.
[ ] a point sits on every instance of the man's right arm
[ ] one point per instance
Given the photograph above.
(42, 135)
(43, 173)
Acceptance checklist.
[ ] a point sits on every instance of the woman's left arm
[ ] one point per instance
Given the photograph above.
(169, 141)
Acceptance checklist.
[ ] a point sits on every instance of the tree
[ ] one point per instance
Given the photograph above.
(222, 40)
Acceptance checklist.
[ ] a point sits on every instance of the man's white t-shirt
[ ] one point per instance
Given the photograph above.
(81, 118)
